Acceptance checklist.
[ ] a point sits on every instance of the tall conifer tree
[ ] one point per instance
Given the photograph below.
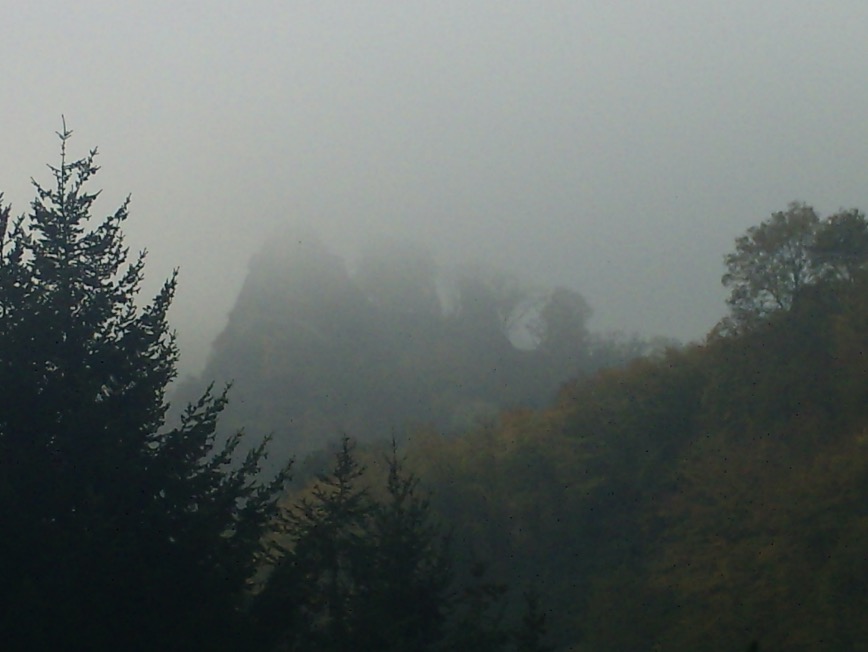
(120, 532)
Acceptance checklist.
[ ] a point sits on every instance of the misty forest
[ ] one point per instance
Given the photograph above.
(391, 453)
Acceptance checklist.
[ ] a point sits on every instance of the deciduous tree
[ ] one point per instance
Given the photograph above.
(771, 264)
(776, 261)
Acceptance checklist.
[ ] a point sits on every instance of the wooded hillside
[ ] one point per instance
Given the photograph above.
(702, 498)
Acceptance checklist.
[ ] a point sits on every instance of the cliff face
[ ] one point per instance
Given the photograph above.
(314, 351)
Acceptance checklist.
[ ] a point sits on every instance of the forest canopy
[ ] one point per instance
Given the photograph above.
(566, 491)
(127, 530)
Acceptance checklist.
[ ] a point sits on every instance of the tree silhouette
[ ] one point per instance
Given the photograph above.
(121, 533)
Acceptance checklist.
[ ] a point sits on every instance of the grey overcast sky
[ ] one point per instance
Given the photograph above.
(615, 147)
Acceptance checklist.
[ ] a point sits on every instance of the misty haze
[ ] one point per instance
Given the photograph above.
(373, 326)
(616, 151)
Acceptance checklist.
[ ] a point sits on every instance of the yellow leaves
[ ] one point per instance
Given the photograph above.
(753, 534)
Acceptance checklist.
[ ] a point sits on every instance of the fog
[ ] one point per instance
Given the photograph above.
(616, 148)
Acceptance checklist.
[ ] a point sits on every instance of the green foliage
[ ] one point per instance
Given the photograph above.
(698, 498)
(694, 499)
(559, 499)
(776, 261)
(840, 247)
(122, 533)
(328, 548)
(361, 567)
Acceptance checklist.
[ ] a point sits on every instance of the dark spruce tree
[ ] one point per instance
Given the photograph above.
(120, 533)
(406, 585)
(362, 568)
(311, 599)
